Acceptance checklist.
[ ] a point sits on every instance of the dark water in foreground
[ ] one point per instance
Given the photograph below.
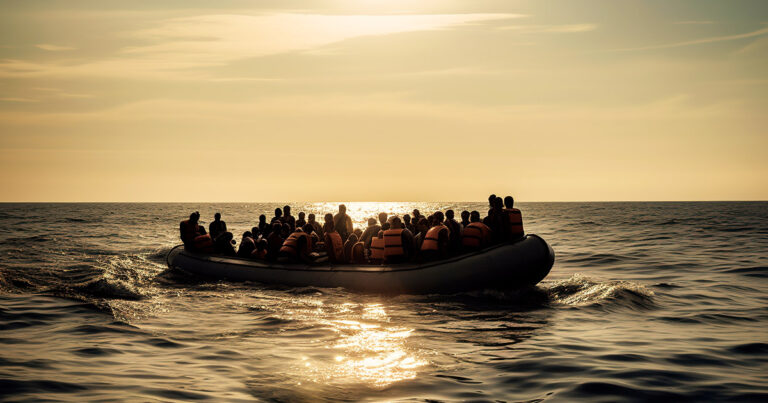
(647, 301)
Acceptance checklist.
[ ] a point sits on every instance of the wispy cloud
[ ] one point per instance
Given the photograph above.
(693, 22)
(53, 48)
(532, 29)
(759, 32)
(12, 99)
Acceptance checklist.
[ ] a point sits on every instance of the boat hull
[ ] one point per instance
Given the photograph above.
(505, 266)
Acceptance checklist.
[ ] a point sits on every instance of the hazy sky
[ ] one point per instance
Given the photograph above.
(383, 100)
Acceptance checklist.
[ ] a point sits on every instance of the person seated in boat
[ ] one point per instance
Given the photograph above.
(496, 220)
(371, 232)
(454, 243)
(407, 223)
(348, 246)
(289, 219)
(301, 222)
(476, 235)
(382, 219)
(316, 225)
(334, 245)
(342, 222)
(260, 252)
(263, 230)
(278, 216)
(224, 244)
(189, 230)
(398, 242)
(422, 226)
(515, 219)
(296, 248)
(274, 241)
(376, 253)
(416, 216)
(328, 223)
(286, 230)
(358, 253)
(217, 226)
(436, 240)
(464, 219)
(358, 232)
(247, 245)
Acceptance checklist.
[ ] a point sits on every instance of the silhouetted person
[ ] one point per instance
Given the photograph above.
(515, 218)
(422, 226)
(247, 245)
(371, 232)
(278, 216)
(274, 241)
(301, 222)
(348, 246)
(297, 247)
(407, 223)
(434, 245)
(263, 230)
(398, 242)
(288, 218)
(454, 244)
(416, 217)
(464, 219)
(316, 225)
(334, 244)
(261, 250)
(382, 218)
(217, 226)
(189, 230)
(476, 235)
(342, 222)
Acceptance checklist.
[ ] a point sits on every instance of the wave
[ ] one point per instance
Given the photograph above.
(583, 291)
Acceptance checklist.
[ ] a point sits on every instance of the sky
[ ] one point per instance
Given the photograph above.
(374, 100)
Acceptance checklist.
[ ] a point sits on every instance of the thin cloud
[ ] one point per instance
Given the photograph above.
(533, 29)
(693, 22)
(752, 34)
(53, 48)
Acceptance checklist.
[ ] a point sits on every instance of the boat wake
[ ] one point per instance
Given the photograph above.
(581, 291)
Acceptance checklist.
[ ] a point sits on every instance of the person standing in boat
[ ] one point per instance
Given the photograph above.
(515, 218)
(301, 222)
(398, 242)
(217, 226)
(278, 216)
(342, 222)
(288, 218)
(454, 243)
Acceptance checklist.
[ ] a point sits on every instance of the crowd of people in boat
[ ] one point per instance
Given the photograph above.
(387, 239)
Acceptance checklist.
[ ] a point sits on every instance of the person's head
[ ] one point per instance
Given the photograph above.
(278, 212)
(352, 238)
(310, 217)
(268, 229)
(431, 220)
(262, 218)
(395, 222)
(255, 231)
(380, 234)
(298, 230)
(342, 208)
(407, 219)
(491, 198)
(449, 214)
(285, 230)
(358, 232)
(193, 217)
(328, 218)
(509, 202)
(371, 222)
(382, 218)
(301, 215)
(217, 216)
(416, 214)
(465, 215)
(474, 216)
(385, 226)
(308, 228)
(498, 203)
(286, 211)
(439, 217)
(277, 228)
(247, 234)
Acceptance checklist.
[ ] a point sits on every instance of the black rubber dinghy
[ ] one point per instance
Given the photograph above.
(504, 266)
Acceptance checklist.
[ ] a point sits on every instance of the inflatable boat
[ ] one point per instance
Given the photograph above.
(503, 266)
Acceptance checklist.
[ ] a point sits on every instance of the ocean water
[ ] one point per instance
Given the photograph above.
(646, 301)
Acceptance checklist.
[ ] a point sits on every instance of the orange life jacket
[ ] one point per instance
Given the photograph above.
(377, 249)
(393, 243)
(334, 246)
(358, 253)
(433, 234)
(204, 243)
(474, 234)
(515, 221)
(291, 245)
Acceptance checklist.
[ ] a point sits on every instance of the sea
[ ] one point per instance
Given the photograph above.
(661, 301)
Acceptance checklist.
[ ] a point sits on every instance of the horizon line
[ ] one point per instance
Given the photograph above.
(399, 201)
